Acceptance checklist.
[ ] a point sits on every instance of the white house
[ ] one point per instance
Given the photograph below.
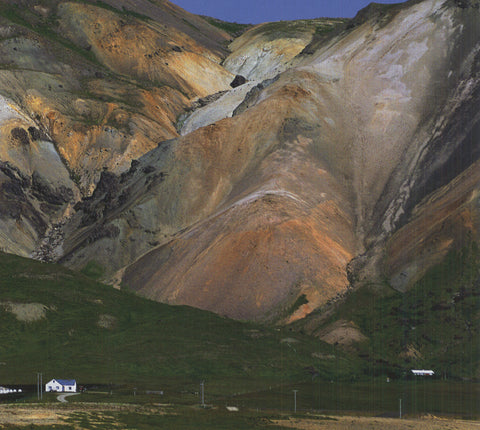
(62, 385)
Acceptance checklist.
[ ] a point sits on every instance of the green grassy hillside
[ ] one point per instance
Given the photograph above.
(96, 334)
(66, 325)
(434, 325)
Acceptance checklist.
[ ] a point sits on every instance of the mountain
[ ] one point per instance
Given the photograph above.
(343, 165)
(310, 182)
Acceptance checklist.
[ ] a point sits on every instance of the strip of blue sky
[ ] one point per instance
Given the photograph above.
(256, 11)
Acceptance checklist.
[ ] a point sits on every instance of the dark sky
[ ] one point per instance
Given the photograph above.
(255, 11)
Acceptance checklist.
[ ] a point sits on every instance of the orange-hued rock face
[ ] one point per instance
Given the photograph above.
(107, 85)
(250, 262)
(147, 51)
(268, 224)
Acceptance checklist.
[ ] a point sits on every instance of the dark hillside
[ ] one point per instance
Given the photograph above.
(434, 325)
(64, 324)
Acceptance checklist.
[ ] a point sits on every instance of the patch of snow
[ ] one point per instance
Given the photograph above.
(329, 121)
(218, 110)
(7, 110)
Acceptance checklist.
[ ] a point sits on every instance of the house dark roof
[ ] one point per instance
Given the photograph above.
(66, 381)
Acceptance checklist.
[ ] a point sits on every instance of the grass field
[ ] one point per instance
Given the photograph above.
(66, 325)
(87, 412)
(374, 397)
(434, 325)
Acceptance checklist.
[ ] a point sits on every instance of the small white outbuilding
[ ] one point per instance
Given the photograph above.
(61, 386)
(423, 372)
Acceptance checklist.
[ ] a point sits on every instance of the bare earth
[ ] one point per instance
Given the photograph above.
(24, 416)
(361, 423)
(28, 416)
(27, 312)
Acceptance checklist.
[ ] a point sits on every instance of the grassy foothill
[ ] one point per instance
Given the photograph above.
(66, 325)
(127, 350)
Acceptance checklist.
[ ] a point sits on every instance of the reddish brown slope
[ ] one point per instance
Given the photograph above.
(281, 229)
(269, 221)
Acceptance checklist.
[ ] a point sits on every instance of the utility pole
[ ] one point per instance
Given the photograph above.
(202, 390)
(400, 408)
(39, 386)
(295, 400)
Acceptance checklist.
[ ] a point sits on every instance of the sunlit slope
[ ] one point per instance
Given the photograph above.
(353, 164)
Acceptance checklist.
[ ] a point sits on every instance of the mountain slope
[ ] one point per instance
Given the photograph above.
(87, 87)
(300, 195)
(433, 325)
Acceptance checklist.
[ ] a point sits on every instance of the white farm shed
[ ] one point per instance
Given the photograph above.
(61, 386)
(423, 372)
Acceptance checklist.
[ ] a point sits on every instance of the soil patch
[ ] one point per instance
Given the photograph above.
(28, 312)
(364, 423)
(342, 332)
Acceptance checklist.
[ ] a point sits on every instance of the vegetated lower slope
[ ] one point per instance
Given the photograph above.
(64, 324)
(434, 325)
(234, 29)
(356, 165)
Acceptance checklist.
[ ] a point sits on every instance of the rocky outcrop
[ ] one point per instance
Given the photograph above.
(237, 81)
(85, 88)
(36, 188)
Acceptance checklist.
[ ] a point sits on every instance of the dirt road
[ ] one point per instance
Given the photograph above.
(63, 397)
